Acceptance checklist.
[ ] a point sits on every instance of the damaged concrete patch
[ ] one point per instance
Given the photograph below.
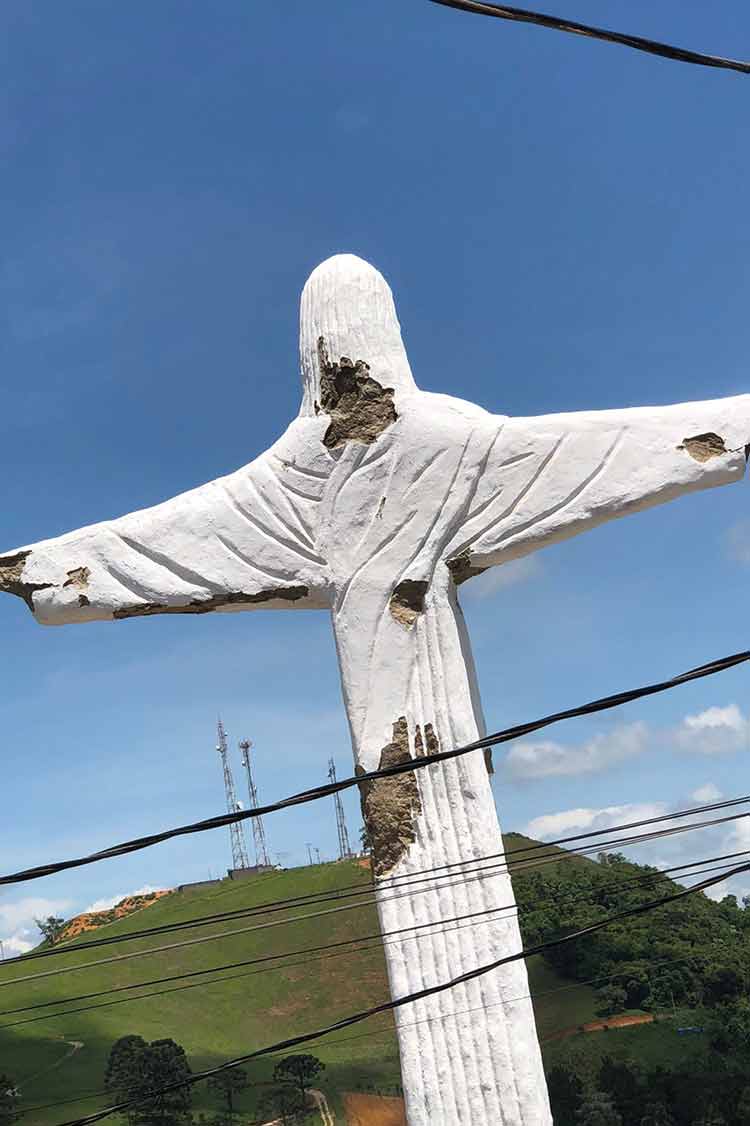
(407, 601)
(431, 740)
(703, 447)
(359, 407)
(79, 577)
(207, 605)
(11, 581)
(461, 568)
(391, 806)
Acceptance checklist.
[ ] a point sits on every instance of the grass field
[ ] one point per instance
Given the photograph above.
(235, 1011)
(213, 1021)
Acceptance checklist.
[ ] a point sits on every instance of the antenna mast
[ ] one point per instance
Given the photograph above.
(345, 851)
(236, 833)
(259, 833)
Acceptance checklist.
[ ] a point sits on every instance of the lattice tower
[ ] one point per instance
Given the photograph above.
(236, 832)
(345, 851)
(259, 832)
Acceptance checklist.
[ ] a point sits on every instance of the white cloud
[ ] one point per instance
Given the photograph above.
(507, 574)
(738, 542)
(714, 731)
(546, 759)
(552, 825)
(706, 794)
(680, 854)
(112, 900)
(18, 931)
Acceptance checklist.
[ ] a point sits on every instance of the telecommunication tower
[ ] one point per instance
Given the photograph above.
(236, 833)
(345, 851)
(259, 833)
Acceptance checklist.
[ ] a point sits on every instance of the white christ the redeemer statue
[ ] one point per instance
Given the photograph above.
(375, 504)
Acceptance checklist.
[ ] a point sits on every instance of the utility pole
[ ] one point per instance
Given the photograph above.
(309, 852)
(236, 834)
(259, 832)
(345, 851)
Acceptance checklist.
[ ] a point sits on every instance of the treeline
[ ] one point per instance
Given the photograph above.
(688, 963)
(632, 1092)
(691, 954)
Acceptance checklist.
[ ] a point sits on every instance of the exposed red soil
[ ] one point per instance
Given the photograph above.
(95, 919)
(374, 1110)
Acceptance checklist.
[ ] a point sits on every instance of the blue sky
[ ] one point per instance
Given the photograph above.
(564, 225)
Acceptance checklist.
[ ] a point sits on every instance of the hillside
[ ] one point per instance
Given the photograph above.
(63, 1060)
(212, 1021)
(215, 1021)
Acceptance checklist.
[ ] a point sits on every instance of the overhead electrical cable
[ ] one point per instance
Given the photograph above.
(379, 938)
(654, 969)
(456, 880)
(467, 874)
(322, 953)
(410, 998)
(558, 23)
(505, 736)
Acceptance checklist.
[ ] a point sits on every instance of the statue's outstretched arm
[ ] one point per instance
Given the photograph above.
(551, 477)
(246, 541)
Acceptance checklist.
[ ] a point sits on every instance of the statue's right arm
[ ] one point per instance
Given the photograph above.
(245, 541)
(551, 477)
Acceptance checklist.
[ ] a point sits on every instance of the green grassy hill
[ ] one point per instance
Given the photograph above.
(212, 1021)
(216, 1021)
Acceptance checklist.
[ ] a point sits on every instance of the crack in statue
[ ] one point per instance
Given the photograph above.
(374, 504)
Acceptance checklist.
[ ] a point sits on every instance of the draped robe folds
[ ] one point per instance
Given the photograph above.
(376, 503)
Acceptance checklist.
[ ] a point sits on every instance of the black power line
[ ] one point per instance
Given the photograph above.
(505, 736)
(557, 23)
(456, 879)
(469, 872)
(410, 998)
(655, 969)
(374, 940)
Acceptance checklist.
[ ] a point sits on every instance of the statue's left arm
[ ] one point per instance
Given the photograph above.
(547, 478)
(246, 541)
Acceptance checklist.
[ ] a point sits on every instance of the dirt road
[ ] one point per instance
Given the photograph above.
(321, 1102)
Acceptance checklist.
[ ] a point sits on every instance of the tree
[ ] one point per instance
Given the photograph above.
(657, 1115)
(136, 1069)
(298, 1070)
(713, 1118)
(743, 1106)
(8, 1101)
(597, 1109)
(50, 928)
(164, 1062)
(565, 1095)
(122, 1073)
(228, 1084)
(365, 841)
(284, 1102)
(122, 1061)
(619, 1080)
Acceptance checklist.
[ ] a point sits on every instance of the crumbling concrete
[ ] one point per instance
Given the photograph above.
(407, 601)
(391, 806)
(703, 447)
(11, 581)
(360, 408)
(206, 606)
